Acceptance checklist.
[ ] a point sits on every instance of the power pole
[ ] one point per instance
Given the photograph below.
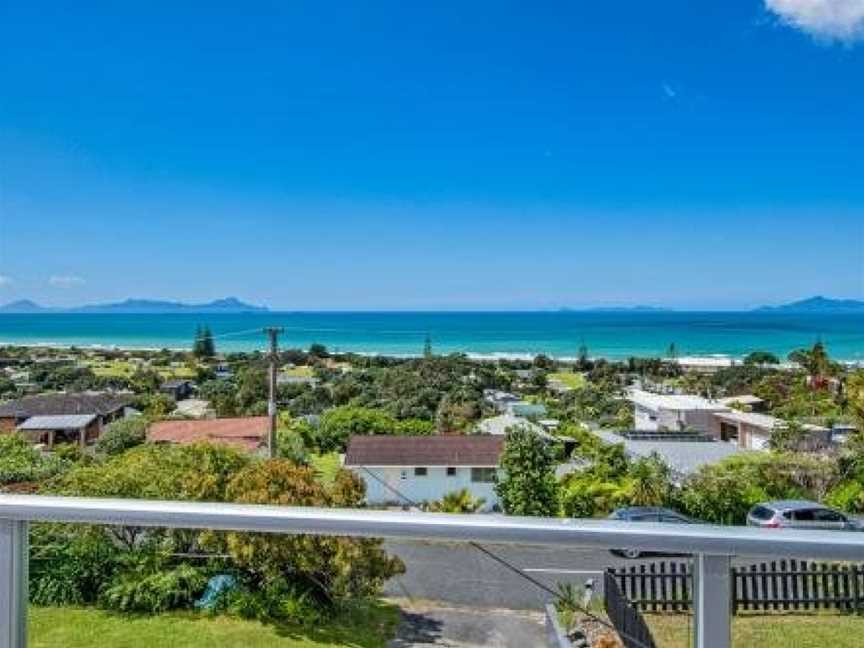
(273, 333)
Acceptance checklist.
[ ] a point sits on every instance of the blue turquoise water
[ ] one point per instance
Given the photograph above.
(612, 335)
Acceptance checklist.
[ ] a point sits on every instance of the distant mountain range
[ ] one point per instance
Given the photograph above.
(138, 306)
(818, 305)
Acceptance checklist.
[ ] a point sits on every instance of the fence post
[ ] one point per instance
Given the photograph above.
(712, 601)
(13, 584)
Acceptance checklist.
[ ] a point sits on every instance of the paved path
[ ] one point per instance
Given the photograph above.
(428, 624)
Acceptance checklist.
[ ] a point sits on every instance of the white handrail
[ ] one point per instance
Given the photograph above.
(611, 534)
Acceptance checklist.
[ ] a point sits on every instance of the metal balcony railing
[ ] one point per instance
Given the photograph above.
(711, 546)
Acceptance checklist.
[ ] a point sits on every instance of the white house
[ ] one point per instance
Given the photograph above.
(400, 470)
(672, 412)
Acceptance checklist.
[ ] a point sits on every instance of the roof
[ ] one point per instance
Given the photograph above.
(674, 402)
(62, 422)
(745, 399)
(763, 421)
(498, 425)
(63, 403)
(444, 450)
(683, 457)
(247, 432)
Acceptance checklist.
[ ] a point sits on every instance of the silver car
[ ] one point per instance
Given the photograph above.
(799, 514)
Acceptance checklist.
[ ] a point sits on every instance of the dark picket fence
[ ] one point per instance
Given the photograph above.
(625, 616)
(782, 585)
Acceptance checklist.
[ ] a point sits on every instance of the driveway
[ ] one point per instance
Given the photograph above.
(428, 624)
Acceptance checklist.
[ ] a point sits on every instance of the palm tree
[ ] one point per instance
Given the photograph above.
(460, 501)
(650, 481)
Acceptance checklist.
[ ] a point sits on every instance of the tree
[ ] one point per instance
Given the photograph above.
(672, 352)
(329, 568)
(650, 482)
(203, 346)
(527, 485)
(341, 423)
(459, 501)
(855, 397)
(788, 437)
(21, 462)
(760, 358)
(583, 362)
(427, 347)
(121, 435)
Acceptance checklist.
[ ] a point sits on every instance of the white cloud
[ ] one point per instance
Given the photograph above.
(65, 281)
(669, 91)
(5, 281)
(840, 20)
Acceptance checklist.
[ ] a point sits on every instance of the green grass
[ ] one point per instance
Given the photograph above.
(87, 627)
(769, 630)
(125, 369)
(326, 465)
(569, 379)
(300, 372)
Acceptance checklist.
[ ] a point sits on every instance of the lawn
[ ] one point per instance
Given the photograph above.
(87, 627)
(299, 372)
(768, 631)
(569, 379)
(326, 465)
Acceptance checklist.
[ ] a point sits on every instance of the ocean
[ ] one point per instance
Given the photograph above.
(613, 335)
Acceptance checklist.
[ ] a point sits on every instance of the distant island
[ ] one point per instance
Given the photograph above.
(818, 305)
(138, 307)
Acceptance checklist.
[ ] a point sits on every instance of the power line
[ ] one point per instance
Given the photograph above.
(516, 570)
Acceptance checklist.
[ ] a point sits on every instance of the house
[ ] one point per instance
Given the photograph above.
(500, 400)
(178, 389)
(405, 470)
(672, 412)
(498, 426)
(82, 429)
(745, 402)
(104, 407)
(752, 431)
(246, 433)
(683, 453)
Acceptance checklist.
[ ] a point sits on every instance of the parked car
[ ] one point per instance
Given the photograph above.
(647, 514)
(799, 514)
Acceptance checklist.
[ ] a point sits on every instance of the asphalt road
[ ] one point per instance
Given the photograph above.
(459, 574)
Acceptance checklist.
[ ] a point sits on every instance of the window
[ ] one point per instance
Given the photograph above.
(483, 475)
(805, 516)
(451, 472)
(762, 513)
(828, 516)
(420, 472)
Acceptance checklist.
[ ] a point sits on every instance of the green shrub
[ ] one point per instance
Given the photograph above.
(69, 565)
(158, 591)
(276, 600)
(847, 496)
(121, 435)
(21, 462)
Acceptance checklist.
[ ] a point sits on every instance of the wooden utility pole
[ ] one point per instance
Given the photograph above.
(273, 333)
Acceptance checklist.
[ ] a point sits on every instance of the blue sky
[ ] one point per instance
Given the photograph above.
(315, 155)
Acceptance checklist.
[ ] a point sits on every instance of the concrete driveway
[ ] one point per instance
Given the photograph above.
(429, 624)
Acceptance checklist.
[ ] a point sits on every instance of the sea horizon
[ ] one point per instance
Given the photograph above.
(488, 334)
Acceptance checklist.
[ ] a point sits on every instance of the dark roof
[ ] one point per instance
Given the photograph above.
(444, 450)
(64, 403)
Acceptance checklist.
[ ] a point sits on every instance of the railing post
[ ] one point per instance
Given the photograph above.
(712, 601)
(13, 584)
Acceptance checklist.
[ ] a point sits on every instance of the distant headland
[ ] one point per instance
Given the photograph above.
(138, 306)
